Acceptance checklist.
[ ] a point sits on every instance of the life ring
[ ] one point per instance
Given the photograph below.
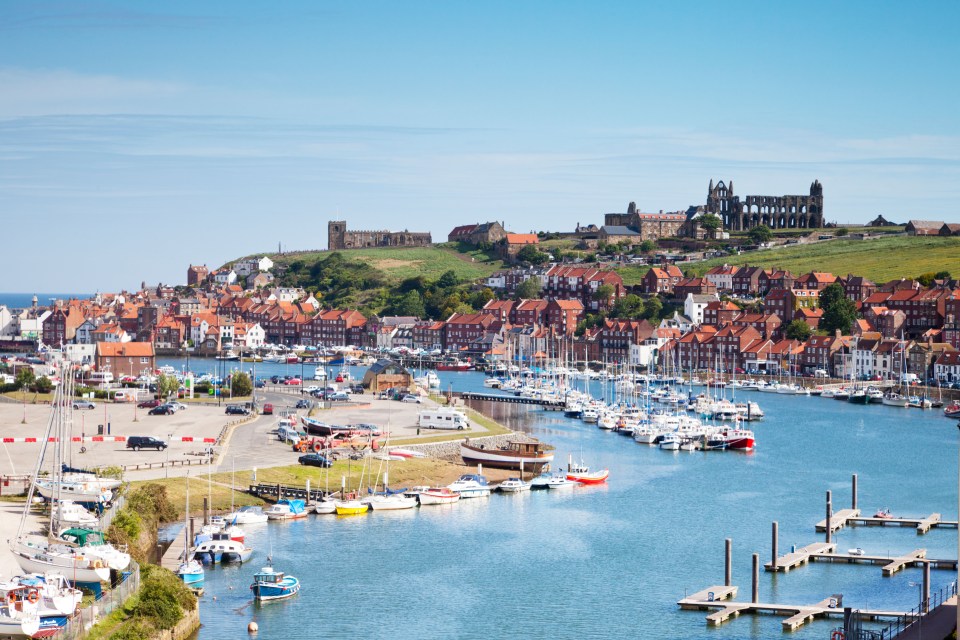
(33, 597)
(13, 597)
(317, 447)
(97, 564)
(837, 635)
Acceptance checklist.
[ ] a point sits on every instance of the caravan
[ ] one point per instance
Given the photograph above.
(443, 418)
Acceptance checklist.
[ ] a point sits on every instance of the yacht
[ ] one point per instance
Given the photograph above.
(471, 485)
(514, 485)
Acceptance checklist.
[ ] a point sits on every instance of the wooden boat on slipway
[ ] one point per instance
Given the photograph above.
(530, 455)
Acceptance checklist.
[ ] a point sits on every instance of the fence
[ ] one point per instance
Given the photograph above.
(14, 485)
(906, 621)
(108, 600)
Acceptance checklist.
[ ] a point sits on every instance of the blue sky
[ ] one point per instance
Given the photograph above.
(138, 137)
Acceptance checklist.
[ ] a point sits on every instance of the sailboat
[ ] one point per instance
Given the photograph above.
(273, 585)
(37, 554)
(388, 501)
(190, 570)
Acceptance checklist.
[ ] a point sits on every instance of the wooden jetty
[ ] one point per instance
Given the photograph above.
(891, 565)
(174, 554)
(838, 520)
(922, 525)
(493, 397)
(799, 557)
(796, 615)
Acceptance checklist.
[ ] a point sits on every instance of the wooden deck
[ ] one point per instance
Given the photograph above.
(891, 565)
(922, 525)
(799, 557)
(174, 554)
(838, 520)
(795, 615)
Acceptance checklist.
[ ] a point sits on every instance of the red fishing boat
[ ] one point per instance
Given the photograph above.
(582, 474)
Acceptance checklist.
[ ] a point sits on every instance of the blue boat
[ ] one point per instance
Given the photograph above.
(191, 572)
(273, 585)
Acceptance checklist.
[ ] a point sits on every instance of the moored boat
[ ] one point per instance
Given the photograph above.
(582, 474)
(351, 507)
(221, 549)
(514, 485)
(191, 573)
(471, 485)
(287, 510)
(438, 495)
(516, 454)
(273, 585)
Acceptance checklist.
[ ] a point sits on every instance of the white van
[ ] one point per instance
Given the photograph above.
(125, 396)
(909, 378)
(444, 418)
(104, 378)
(287, 431)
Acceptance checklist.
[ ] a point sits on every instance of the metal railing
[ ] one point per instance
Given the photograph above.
(911, 617)
(79, 625)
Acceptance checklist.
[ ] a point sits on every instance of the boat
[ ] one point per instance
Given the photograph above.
(671, 441)
(246, 515)
(841, 394)
(325, 506)
(229, 354)
(516, 454)
(55, 600)
(438, 495)
(454, 365)
(952, 410)
(856, 551)
(582, 474)
(273, 585)
(493, 383)
(317, 428)
(406, 453)
(858, 396)
(351, 507)
(392, 502)
(471, 485)
(514, 485)
(84, 491)
(876, 395)
(67, 512)
(560, 481)
(287, 510)
(17, 620)
(94, 543)
(191, 572)
(919, 402)
(883, 514)
(739, 439)
(893, 399)
(220, 548)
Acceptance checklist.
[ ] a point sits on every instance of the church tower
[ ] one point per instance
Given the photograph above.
(336, 231)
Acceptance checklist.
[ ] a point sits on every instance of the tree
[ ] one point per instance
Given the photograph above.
(926, 279)
(839, 312)
(411, 304)
(628, 307)
(603, 294)
(760, 234)
(652, 309)
(448, 279)
(648, 246)
(530, 253)
(240, 384)
(942, 275)
(529, 289)
(167, 386)
(798, 330)
(710, 223)
(43, 385)
(25, 377)
(842, 231)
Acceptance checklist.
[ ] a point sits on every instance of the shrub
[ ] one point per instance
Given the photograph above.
(126, 526)
(134, 630)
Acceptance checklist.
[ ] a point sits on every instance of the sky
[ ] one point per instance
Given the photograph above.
(137, 138)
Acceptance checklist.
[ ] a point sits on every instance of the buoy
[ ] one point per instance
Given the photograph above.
(252, 627)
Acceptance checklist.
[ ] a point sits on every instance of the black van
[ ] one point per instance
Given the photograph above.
(145, 442)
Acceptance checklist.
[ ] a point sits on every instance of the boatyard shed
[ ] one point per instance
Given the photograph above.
(387, 374)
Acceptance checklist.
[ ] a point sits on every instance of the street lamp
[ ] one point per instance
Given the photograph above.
(166, 466)
(919, 586)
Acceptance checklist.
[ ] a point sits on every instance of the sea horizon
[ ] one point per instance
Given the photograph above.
(22, 300)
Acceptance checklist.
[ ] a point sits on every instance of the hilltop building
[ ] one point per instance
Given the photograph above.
(490, 232)
(776, 212)
(339, 238)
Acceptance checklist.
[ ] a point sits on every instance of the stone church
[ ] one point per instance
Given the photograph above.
(339, 238)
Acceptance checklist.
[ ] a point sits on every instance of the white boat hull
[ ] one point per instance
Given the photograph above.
(80, 570)
(392, 503)
(25, 625)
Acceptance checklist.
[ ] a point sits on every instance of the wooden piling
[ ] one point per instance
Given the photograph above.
(829, 515)
(774, 542)
(853, 498)
(206, 510)
(756, 578)
(925, 601)
(728, 564)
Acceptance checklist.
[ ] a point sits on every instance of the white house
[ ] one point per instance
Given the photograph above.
(30, 327)
(286, 294)
(722, 277)
(80, 353)
(694, 305)
(7, 325)
(225, 276)
(947, 366)
(85, 331)
(247, 267)
(497, 281)
(248, 336)
(677, 321)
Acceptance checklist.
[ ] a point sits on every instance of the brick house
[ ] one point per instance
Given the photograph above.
(125, 358)
(720, 313)
(529, 312)
(661, 279)
(722, 277)
(695, 286)
(818, 353)
(512, 243)
(462, 329)
(617, 336)
(563, 316)
(746, 281)
(774, 279)
(562, 282)
(857, 288)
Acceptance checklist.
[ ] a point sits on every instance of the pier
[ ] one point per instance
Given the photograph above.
(494, 397)
(922, 525)
(800, 557)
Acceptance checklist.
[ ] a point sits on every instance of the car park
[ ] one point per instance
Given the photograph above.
(315, 460)
(83, 404)
(162, 410)
(237, 410)
(145, 442)
(148, 404)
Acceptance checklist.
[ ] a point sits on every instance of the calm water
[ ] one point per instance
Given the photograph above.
(611, 561)
(24, 300)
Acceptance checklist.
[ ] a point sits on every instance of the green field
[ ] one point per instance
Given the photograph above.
(880, 260)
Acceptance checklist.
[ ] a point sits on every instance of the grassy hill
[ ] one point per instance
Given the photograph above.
(880, 260)
(399, 263)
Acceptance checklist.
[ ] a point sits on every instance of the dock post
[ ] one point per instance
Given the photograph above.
(925, 599)
(774, 543)
(308, 491)
(728, 564)
(829, 516)
(853, 500)
(206, 510)
(756, 578)
(192, 537)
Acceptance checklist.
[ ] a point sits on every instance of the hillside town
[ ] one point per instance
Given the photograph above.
(744, 319)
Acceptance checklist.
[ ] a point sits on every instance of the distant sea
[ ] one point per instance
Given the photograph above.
(23, 300)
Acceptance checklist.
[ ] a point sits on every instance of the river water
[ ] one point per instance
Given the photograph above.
(612, 561)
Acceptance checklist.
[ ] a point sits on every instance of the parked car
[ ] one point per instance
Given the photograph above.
(237, 410)
(356, 388)
(303, 404)
(292, 382)
(315, 460)
(338, 396)
(177, 406)
(162, 410)
(148, 404)
(83, 404)
(145, 442)
(267, 409)
(410, 398)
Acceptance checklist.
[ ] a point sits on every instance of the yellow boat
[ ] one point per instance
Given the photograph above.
(351, 507)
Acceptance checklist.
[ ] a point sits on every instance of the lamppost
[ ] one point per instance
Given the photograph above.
(166, 466)
(919, 586)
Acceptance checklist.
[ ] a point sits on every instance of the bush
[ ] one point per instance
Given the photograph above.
(126, 526)
(163, 598)
(8, 388)
(43, 385)
(134, 630)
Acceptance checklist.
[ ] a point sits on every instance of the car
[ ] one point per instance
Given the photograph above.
(315, 460)
(292, 382)
(148, 404)
(303, 404)
(237, 410)
(410, 398)
(145, 442)
(267, 409)
(338, 396)
(356, 388)
(162, 410)
(275, 379)
(310, 388)
(177, 406)
(84, 404)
